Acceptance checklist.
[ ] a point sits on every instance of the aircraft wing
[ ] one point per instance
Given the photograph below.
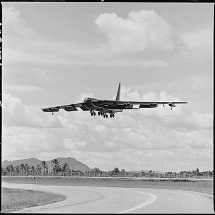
(159, 103)
(129, 104)
(69, 107)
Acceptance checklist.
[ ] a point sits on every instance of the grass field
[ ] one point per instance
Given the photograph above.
(204, 186)
(17, 199)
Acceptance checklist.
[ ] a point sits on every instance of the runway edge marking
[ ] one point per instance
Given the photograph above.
(149, 201)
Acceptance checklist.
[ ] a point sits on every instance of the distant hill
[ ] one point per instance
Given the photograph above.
(72, 162)
(30, 162)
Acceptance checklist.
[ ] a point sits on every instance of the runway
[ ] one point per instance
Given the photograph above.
(85, 199)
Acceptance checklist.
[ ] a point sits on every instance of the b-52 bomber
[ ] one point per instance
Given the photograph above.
(105, 107)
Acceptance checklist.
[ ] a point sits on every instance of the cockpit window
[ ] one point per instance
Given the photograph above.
(87, 99)
(90, 99)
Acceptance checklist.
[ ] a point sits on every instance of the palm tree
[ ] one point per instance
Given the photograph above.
(33, 170)
(16, 170)
(10, 169)
(22, 168)
(66, 170)
(3, 172)
(56, 163)
(44, 167)
(115, 171)
(38, 169)
(95, 171)
(26, 167)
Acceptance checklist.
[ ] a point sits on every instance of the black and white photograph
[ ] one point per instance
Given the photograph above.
(107, 107)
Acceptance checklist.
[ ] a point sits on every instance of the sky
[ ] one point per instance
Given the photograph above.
(60, 53)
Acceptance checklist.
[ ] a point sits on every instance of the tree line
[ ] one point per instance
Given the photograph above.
(42, 169)
(54, 169)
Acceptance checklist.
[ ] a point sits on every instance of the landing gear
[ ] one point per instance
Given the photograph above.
(105, 116)
(100, 113)
(93, 113)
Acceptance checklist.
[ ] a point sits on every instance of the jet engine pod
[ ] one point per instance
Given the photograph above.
(148, 105)
(128, 105)
(70, 108)
(50, 109)
(171, 104)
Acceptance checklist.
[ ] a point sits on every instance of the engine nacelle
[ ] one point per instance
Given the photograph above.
(150, 105)
(50, 109)
(70, 108)
(171, 104)
(128, 106)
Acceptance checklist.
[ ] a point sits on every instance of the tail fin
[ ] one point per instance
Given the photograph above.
(118, 93)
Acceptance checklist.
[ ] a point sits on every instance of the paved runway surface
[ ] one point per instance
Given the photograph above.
(84, 199)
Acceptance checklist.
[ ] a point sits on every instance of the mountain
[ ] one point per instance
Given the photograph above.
(30, 162)
(72, 162)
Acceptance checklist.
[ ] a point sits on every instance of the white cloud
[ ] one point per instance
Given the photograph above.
(15, 113)
(190, 122)
(25, 142)
(199, 39)
(72, 146)
(137, 128)
(22, 44)
(141, 31)
(17, 26)
(199, 45)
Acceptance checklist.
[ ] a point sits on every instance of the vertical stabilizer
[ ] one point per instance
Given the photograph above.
(118, 93)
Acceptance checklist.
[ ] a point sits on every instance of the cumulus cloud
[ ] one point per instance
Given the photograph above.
(26, 142)
(199, 39)
(17, 26)
(141, 31)
(193, 121)
(199, 45)
(22, 44)
(137, 129)
(15, 113)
